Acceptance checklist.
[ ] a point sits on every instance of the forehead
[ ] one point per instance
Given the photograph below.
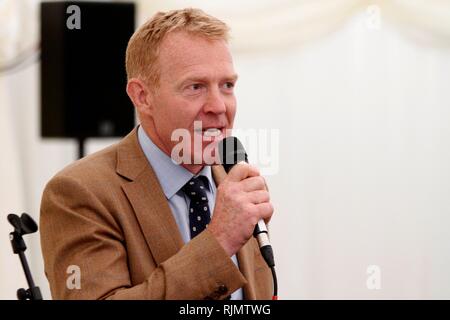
(181, 54)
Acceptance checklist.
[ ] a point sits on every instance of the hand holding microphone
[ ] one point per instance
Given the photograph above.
(242, 200)
(242, 203)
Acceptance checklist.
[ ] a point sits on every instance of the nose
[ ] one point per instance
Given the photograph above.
(215, 102)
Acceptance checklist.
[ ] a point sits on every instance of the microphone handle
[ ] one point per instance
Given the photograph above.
(260, 233)
(262, 236)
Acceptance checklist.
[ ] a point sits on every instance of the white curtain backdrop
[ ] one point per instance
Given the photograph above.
(267, 25)
(359, 93)
(11, 191)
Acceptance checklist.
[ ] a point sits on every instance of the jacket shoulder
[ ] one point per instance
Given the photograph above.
(98, 165)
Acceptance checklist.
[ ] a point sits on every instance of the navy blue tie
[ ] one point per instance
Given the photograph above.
(199, 214)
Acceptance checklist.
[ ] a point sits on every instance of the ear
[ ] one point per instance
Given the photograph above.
(140, 95)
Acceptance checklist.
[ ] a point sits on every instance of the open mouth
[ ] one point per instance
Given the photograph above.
(212, 132)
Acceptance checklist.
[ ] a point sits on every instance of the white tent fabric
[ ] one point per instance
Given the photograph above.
(358, 92)
(258, 26)
(11, 191)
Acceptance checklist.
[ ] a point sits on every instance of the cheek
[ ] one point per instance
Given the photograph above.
(172, 111)
(231, 111)
(182, 115)
(178, 112)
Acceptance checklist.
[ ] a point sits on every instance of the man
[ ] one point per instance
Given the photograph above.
(129, 223)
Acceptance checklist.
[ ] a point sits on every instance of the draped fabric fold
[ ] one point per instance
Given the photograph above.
(18, 31)
(258, 26)
(274, 25)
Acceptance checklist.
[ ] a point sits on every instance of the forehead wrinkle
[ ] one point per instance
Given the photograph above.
(181, 52)
(179, 72)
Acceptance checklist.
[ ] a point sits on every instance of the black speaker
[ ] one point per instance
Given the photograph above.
(83, 76)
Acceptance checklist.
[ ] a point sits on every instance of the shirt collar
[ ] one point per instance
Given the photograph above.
(171, 176)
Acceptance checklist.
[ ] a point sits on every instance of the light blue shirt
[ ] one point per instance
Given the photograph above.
(172, 177)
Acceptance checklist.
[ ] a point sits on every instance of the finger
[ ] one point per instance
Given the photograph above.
(259, 196)
(254, 183)
(242, 171)
(265, 210)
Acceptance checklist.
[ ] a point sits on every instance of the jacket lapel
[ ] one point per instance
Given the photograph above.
(148, 200)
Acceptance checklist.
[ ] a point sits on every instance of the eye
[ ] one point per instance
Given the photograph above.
(195, 86)
(194, 89)
(228, 85)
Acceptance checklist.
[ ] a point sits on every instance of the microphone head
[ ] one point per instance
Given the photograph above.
(14, 220)
(23, 224)
(231, 152)
(28, 224)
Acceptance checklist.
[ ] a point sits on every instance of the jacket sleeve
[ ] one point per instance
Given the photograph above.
(85, 255)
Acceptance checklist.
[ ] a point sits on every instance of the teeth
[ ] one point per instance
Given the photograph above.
(211, 132)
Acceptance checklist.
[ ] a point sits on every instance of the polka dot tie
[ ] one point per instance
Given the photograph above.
(199, 214)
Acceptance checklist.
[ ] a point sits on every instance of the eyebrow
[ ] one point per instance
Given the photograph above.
(233, 77)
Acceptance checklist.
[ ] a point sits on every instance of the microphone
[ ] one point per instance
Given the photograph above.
(231, 152)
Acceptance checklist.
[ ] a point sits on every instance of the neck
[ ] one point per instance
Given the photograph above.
(153, 135)
(193, 168)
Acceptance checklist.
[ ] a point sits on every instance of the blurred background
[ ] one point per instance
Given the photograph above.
(360, 94)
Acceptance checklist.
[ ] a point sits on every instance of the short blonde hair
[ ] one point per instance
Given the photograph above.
(143, 47)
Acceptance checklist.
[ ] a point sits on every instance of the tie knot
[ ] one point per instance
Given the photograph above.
(195, 189)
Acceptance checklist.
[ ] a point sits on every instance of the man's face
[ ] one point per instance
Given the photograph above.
(197, 81)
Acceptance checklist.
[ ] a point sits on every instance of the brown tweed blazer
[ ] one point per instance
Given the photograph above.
(107, 215)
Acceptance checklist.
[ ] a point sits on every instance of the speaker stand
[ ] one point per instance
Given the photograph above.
(81, 141)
